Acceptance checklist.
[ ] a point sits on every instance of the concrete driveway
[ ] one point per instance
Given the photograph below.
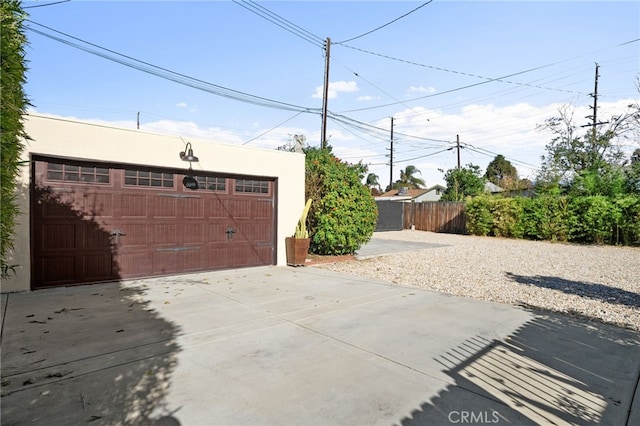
(284, 346)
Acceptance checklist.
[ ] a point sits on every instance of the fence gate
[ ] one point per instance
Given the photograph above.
(390, 216)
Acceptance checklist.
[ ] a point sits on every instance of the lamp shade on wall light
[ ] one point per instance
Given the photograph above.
(187, 154)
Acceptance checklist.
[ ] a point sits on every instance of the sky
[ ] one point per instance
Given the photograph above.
(486, 73)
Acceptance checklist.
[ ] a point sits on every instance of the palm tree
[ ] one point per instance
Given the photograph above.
(408, 179)
(373, 182)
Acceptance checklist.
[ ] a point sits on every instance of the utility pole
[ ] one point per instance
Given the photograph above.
(325, 95)
(391, 157)
(458, 144)
(594, 117)
(595, 103)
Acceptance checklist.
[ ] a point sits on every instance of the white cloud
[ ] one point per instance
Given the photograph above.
(336, 87)
(367, 98)
(420, 89)
(181, 105)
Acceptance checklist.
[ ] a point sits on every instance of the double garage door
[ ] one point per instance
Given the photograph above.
(94, 222)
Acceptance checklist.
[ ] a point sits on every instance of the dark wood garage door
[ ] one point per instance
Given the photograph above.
(95, 222)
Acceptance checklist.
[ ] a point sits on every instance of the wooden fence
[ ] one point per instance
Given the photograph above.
(445, 217)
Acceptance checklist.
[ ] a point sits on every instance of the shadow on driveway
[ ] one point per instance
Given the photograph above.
(85, 354)
(553, 370)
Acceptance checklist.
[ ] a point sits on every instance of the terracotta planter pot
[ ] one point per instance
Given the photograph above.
(297, 249)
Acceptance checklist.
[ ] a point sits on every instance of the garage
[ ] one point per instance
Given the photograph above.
(95, 221)
(101, 202)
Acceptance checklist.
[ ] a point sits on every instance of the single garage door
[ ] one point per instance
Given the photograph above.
(94, 222)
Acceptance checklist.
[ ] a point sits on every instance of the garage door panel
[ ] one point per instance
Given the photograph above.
(135, 234)
(193, 233)
(165, 206)
(163, 233)
(165, 262)
(191, 208)
(192, 259)
(94, 236)
(98, 267)
(126, 226)
(56, 236)
(98, 204)
(241, 209)
(59, 205)
(263, 210)
(216, 258)
(246, 254)
(57, 270)
(133, 205)
(217, 232)
(137, 264)
(216, 208)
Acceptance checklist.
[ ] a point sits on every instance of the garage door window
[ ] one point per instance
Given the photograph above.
(75, 173)
(148, 178)
(211, 183)
(252, 186)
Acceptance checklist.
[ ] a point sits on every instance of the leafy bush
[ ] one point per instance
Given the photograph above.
(12, 106)
(497, 216)
(343, 214)
(546, 218)
(593, 219)
(508, 217)
(583, 219)
(628, 229)
(478, 213)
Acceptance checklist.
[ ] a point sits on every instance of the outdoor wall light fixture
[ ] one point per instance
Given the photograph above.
(187, 154)
(189, 181)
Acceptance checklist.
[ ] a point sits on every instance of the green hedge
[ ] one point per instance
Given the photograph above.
(583, 219)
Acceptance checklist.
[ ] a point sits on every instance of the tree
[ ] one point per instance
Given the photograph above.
(632, 173)
(373, 183)
(463, 182)
(570, 155)
(408, 178)
(501, 172)
(343, 213)
(13, 104)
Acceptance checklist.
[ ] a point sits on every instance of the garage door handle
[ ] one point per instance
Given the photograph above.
(117, 233)
(230, 231)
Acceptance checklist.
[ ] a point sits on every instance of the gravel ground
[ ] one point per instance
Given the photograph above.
(598, 282)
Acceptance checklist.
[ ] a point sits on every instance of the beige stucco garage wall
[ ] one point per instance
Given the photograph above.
(60, 137)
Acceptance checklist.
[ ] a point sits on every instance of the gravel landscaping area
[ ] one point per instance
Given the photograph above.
(599, 282)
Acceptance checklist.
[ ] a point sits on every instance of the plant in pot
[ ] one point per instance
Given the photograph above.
(298, 245)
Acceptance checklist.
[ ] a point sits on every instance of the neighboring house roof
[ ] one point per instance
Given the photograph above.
(492, 188)
(400, 194)
(434, 187)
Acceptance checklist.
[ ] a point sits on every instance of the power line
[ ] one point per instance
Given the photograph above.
(273, 128)
(348, 120)
(487, 79)
(381, 90)
(47, 4)
(422, 156)
(168, 74)
(488, 153)
(281, 22)
(385, 25)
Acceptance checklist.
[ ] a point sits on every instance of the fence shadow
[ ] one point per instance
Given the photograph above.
(594, 291)
(553, 370)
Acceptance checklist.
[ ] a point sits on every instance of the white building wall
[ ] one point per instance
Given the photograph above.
(79, 140)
